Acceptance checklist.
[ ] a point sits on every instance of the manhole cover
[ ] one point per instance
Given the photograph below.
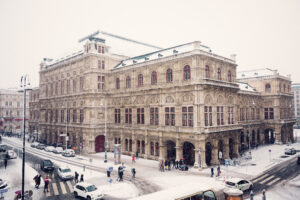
(284, 156)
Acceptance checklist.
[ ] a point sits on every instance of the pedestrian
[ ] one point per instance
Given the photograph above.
(166, 165)
(76, 177)
(81, 178)
(133, 173)
(137, 155)
(264, 194)
(251, 195)
(169, 165)
(180, 163)
(218, 170)
(121, 173)
(133, 158)
(108, 173)
(5, 163)
(35, 180)
(38, 181)
(176, 162)
(46, 183)
(212, 172)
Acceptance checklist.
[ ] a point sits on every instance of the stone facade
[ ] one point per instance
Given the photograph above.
(11, 111)
(34, 113)
(180, 102)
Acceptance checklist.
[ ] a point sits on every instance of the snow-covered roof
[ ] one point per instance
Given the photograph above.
(162, 54)
(256, 73)
(246, 87)
(49, 62)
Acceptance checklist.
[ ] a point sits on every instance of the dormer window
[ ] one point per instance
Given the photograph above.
(268, 88)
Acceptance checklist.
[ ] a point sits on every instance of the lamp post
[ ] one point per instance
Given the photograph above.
(24, 84)
(249, 127)
(105, 140)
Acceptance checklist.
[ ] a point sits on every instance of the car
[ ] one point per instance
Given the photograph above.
(65, 173)
(3, 184)
(240, 184)
(298, 160)
(41, 146)
(69, 153)
(87, 191)
(49, 148)
(11, 154)
(58, 150)
(47, 165)
(290, 151)
(34, 144)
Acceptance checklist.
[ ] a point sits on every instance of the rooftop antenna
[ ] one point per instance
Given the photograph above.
(89, 36)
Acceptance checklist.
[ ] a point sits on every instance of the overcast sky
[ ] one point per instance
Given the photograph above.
(261, 33)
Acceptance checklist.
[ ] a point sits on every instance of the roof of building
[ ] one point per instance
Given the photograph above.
(246, 87)
(256, 73)
(161, 54)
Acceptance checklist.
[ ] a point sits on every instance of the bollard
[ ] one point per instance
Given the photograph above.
(251, 195)
(264, 194)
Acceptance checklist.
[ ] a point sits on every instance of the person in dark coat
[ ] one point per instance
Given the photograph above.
(174, 163)
(180, 163)
(212, 172)
(121, 174)
(133, 173)
(76, 177)
(38, 181)
(81, 178)
(169, 165)
(177, 163)
(5, 163)
(46, 181)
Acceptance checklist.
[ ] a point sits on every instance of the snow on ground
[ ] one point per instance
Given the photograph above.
(13, 174)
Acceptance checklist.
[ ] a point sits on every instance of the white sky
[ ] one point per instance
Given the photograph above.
(263, 33)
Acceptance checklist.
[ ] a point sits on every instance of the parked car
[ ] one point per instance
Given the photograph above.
(47, 165)
(65, 173)
(11, 154)
(41, 146)
(290, 151)
(87, 191)
(49, 148)
(298, 160)
(240, 184)
(69, 153)
(58, 150)
(34, 144)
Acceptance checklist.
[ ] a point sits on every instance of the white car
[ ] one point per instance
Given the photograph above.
(87, 191)
(58, 150)
(69, 153)
(240, 184)
(11, 154)
(65, 173)
(34, 145)
(49, 148)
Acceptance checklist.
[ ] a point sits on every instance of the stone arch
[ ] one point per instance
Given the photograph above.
(208, 153)
(258, 136)
(253, 138)
(230, 100)
(208, 100)
(269, 136)
(220, 148)
(220, 100)
(171, 150)
(99, 143)
(188, 150)
(187, 97)
(231, 147)
(169, 99)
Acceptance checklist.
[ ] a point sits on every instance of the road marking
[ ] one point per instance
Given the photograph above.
(70, 186)
(55, 190)
(280, 182)
(267, 179)
(48, 194)
(63, 188)
(258, 179)
(275, 180)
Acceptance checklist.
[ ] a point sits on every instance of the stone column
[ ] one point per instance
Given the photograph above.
(162, 149)
(214, 152)
(197, 155)
(277, 133)
(134, 143)
(236, 147)
(226, 148)
(147, 147)
(202, 154)
(178, 150)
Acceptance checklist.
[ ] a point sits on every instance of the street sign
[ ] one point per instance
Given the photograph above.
(3, 191)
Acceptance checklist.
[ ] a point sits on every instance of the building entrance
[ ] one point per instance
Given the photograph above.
(171, 151)
(99, 143)
(188, 153)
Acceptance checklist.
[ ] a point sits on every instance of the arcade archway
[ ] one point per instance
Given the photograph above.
(171, 150)
(208, 148)
(188, 153)
(231, 143)
(99, 143)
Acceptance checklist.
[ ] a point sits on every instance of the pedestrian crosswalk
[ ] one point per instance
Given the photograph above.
(267, 179)
(60, 188)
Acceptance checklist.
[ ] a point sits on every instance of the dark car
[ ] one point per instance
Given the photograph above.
(298, 161)
(41, 146)
(290, 151)
(47, 165)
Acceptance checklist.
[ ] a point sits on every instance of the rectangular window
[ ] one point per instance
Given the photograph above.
(154, 116)
(68, 86)
(74, 115)
(56, 88)
(128, 115)
(62, 87)
(103, 50)
(252, 113)
(81, 116)
(257, 113)
(68, 115)
(51, 116)
(140, 116)
(208, 115)
(271, 113)
(99, 64)
(170, 116)
(74, 85)
(187, 116)
(266, 113)
(220, 115)
(118, 116)
(101, 80)
(81, 83)
(103, 64)
(56, 116)
(46, 115)
(62, 116)
(99, 49)
(230, 115)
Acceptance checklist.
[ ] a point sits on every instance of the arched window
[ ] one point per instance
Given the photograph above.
(169, 76)
(126, 144)
(152, 148)
(207, 72)
(138, 146)
(156, 149)
(130, 145)
(117, 83)
(153, 78)
(140, 80)
(219, 74)
(268, 87)
(143, 147)
(229, 76)
(283, 87)
(186, 73)
(128, 82)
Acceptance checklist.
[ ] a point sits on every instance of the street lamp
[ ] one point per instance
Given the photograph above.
(24, 84)
(249, 127)
(105, 140)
